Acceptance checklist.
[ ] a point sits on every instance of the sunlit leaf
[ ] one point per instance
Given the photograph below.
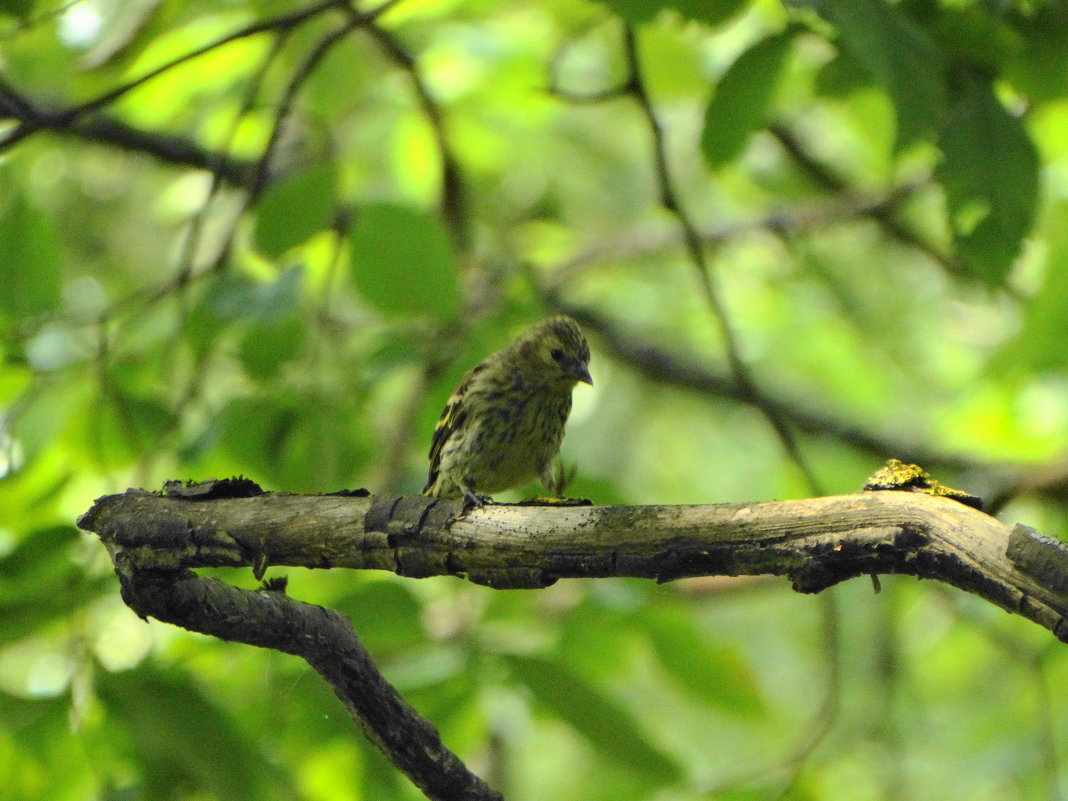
(899, 55)
(990, 175)
(740, 103)
(293, 208)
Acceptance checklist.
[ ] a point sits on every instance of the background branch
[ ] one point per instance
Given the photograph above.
(688, 371)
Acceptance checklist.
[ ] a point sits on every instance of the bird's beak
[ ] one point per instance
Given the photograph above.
(582, 373)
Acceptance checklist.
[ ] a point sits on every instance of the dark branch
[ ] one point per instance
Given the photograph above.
(686, 371)
(326, 640)
(168, 148)
(884, 215)
(169, 592)
(106, 130)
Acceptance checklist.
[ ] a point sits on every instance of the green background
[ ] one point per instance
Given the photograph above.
(882, 190)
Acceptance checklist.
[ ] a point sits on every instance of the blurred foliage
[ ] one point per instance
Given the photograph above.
(267, 238)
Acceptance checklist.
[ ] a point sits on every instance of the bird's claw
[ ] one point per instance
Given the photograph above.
(473, 501)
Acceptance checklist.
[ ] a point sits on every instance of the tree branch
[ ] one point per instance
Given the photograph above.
(816, 542)
(155, 584)
(885, 215)
(154, 540)
(326, 640)
(671, 201)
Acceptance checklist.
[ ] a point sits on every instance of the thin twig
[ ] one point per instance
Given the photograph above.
(453, 200)
(669, 199)
(688, 371)
(884, 215)
(453, 208)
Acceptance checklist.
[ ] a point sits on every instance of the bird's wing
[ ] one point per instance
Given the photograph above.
(452, 418)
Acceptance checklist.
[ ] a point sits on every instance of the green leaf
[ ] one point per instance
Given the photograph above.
(740, 105)
(1039, 344)
(294, 208)
(184, 743)
(121, 426)
(231, 297)
(255, 430)
(976, 37)
(990, 175)
(40, 582)
(716, 675)
(268, 346)
(297, 442)
(30, 265)
(1039, 69)
(841, 76)
(898, 55)
(36, 723)
(609, 727)
(17, 8)
(235, 297)
(713, 12)
(403, 262)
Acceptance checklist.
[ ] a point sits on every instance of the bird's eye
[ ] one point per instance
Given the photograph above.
(557, 354)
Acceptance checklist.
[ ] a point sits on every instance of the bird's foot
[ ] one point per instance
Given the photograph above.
(473, 501)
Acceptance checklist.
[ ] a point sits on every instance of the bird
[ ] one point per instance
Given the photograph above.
(504, 422)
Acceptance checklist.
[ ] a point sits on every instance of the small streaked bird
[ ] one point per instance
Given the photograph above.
(504, 421)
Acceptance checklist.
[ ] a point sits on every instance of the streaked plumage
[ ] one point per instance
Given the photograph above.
(504, 422)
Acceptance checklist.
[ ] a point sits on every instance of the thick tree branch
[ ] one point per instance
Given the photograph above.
(154, 540)
(816, 542)
(158, 586)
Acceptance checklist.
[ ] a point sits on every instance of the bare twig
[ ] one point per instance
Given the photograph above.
(670, 200)
(884, 215)
(685, 370)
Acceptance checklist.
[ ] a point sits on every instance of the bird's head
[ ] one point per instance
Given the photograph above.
(556, 351)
